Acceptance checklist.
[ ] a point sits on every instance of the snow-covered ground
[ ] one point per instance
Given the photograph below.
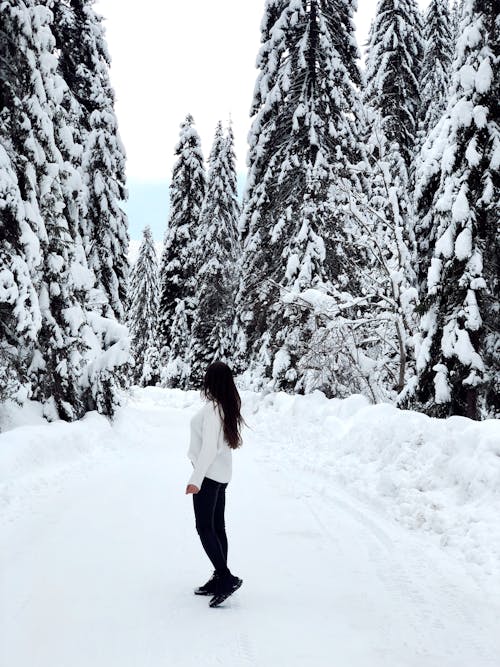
(366, 537)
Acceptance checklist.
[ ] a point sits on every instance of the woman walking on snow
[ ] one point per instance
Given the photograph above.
(215, 432)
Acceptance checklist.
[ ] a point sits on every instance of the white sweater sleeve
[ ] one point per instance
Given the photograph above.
(209, 440)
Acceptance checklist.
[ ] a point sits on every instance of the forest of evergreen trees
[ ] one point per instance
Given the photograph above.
(364, 257)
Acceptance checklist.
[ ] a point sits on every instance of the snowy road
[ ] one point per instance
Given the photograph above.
(97, 570)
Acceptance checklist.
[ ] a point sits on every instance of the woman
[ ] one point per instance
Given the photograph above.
(215, 432)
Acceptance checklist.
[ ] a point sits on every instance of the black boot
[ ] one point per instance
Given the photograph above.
(226, 585)
(209, 588)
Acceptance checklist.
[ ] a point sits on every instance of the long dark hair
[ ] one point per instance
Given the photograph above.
(219, 387)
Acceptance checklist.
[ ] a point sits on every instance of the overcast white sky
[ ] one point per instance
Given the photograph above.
(171, 58)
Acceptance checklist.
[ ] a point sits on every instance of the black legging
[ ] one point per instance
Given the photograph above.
(209, 504)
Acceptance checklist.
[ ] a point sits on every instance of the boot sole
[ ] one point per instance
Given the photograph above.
(219, 598)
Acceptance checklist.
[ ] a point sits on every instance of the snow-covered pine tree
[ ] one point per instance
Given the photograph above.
(84, 65)
(392, 98)
(101, 237)
(436, 65)
(265, 106)
(181, 257)
(56, 364)
(20, 318)
(385, 212)
(458, 361)
(143, 313)
(265, 110)
(211, 331)
(457, 12)
(393, 63)
(304, 136)
(232, 197)
(70, 356)
(439, 44)
(19, 309)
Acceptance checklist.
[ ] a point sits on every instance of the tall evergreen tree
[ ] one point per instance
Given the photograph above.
(57, 363)
(389, 236)
(102, 236)
(143, 312)
(20, 317)
(233, 206)
(304, 138)
(265, 105)
(439, 43)
(393, 64)
(84, 64)
(180, 260)
(457, 12)
(211, 332)
(19, 308)
(67, 355)
(458, 362)
(436, 66)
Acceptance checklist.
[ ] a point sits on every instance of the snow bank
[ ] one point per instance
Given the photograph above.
(37, 456)
(438, 476)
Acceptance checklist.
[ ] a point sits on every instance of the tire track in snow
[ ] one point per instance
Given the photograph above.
(431, 609)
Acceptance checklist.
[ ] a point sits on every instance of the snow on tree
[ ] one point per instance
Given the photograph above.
(181, 257)
(143, 313)
(56, 365)
(363, 342)
(436, 65)
(20, 318)
(304, 136)
(37, 118)
(90, 142)
(232, 204)
(394, 59)
(385, 215)
(265, 104)
(211, 331)
(458, 187)
(392, 98)
(19, 309)
(84, 64)
(457, 12)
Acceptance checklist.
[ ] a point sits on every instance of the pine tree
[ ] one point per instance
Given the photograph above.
(20, 317)
(458, 360)
(180, 261)
(435, 82)
(392, 99)
(231, 188)
(457, 12)
(304, 139)
(394, 59)
(56, 364)
(143, 313)
(265, 105)
(438, 55)
(84, 64)
(211, 330)
(389, 236)
(68, 352)
(19, 309)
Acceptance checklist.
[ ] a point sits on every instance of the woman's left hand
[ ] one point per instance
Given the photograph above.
(191, 488)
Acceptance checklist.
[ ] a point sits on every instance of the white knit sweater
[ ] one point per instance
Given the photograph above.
(208, 451)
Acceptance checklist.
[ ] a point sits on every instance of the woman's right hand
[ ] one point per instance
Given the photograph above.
(191, 488)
